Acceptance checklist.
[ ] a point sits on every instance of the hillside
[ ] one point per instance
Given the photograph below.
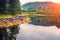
(39, 4)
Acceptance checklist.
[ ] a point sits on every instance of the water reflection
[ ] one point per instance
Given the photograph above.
(9, 33)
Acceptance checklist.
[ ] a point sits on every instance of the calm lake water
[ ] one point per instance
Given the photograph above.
(36, 32)
(29, 31)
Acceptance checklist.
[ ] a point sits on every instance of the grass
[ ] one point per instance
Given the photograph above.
(8, 15)
(5, 16)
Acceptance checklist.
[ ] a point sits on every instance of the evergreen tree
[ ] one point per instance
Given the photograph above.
(9, 6)
(2, 6)
(14, 6)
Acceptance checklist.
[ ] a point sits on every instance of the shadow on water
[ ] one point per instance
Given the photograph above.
(34, 22)
(9, 33)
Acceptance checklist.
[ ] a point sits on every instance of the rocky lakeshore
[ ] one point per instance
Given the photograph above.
(9, 22)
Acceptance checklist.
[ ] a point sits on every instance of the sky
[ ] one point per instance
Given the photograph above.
(26, 1)
(34, 32)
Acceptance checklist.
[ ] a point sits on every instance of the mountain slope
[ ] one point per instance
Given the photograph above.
(38, 4)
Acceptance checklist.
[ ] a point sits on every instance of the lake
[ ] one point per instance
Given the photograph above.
(28, 31)
(36, 32)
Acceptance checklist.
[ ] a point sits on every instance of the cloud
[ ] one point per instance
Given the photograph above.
(33, 32)
(26, 1)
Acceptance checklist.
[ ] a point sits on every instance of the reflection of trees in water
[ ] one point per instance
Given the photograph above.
(9, 33)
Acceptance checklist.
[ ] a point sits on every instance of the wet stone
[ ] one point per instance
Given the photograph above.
(16, 20)
(7, 22)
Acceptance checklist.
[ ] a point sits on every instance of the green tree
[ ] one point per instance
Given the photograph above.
(10, 7)
(14, 6)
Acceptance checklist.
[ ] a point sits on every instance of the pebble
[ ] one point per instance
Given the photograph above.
(7, 22)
